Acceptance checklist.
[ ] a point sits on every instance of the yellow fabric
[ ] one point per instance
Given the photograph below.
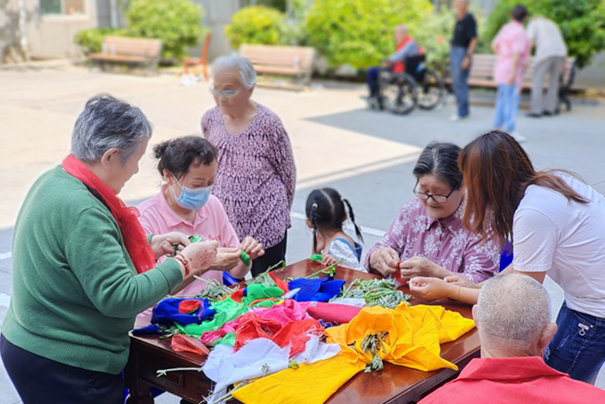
(414, 334)
(413, 341)
(307, 384)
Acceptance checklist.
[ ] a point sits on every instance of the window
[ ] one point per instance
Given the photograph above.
(62, 7)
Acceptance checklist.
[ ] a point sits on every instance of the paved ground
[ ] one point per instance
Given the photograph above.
(367, 156)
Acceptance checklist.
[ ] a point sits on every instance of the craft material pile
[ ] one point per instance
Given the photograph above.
(268, 341)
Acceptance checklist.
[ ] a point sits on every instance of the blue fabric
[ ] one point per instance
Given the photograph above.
(578, 347)
(150, 329)
(460, 78)
(356, 250)
(316, 290)
(506, 258)
(507, 107)
(167, 312)
(229, 280)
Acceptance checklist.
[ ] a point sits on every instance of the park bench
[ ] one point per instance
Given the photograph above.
(294, 61)
(482, 75)
(131, 51)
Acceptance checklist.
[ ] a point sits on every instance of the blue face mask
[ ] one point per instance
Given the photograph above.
(192, 198)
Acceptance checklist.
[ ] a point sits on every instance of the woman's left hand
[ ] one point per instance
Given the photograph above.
(253, 248)
(162, 243)
(419, 266)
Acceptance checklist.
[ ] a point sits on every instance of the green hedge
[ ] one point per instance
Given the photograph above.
(178, 23)
(360, 32)
(256, 25)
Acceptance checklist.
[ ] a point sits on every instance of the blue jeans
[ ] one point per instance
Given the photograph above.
(507, 107)
(578, 347)
(460, 79)
(372, 76)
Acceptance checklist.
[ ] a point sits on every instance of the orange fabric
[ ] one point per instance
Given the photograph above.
(414, 334)
(399, 67)
(279, 283)
(187, 306)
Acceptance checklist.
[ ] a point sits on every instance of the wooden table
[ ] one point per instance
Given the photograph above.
(395, 384)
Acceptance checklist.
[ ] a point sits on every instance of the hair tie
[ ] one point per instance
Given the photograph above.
(314, 206)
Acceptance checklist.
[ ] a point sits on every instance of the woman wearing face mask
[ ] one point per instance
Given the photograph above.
(189, 165)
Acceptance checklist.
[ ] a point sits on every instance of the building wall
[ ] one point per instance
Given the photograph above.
(51, 36)
(217, 15)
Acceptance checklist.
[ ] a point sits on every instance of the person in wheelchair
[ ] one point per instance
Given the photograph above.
(407, 48)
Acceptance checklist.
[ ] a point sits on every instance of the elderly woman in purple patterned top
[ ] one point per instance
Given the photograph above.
(256, 176)
(427, 238)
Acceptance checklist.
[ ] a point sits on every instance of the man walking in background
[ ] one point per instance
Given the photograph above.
(461, 52)
(550, 58)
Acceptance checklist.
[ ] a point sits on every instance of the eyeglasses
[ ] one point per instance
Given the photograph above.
(437, 198)
(225, 93)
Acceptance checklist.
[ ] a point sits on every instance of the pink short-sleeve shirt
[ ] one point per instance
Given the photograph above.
(511, 39)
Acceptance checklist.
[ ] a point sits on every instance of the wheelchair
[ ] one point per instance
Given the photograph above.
(401, 93)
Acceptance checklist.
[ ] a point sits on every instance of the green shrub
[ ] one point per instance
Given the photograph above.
(178, 23)
(582, 23)
(256, 25)
(91, 40)
(433, 35)
(360, 32)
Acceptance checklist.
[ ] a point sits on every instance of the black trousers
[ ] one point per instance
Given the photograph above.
(39, 380)
(272, 256)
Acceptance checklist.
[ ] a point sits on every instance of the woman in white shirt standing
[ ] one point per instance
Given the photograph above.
(557, 225)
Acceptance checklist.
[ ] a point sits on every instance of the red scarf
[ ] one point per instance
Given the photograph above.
(399, 67)
(133, 234)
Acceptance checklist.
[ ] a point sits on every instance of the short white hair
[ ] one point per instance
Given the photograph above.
(246, 70)
(512, 311)
(402, 28)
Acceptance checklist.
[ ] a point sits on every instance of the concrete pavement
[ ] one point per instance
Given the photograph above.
(368, 156)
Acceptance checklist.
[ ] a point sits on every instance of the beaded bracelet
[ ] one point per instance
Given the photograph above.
(185, 263)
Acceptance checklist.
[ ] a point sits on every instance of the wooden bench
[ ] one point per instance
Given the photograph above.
(281, 60)
(131, 51)
(482, 75)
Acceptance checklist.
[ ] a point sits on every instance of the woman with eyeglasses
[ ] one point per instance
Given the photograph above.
(256, 176)
(427, 238)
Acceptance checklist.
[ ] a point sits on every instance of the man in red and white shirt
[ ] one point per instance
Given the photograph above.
(513, 320)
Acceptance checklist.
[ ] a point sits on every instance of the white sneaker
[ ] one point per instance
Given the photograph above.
(456, 118)
(518, 137)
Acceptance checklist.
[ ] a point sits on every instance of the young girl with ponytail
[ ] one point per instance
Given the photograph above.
(326, 212)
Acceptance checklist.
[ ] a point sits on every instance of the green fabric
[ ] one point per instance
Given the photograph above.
(245, 258)
(76, 292)
(258, 291)
(228, 339)
(226, 310)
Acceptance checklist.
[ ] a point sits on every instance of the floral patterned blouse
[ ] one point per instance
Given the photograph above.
(443, 241)
(256, 174)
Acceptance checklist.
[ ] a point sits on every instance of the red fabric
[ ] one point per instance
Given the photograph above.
(333, 313)
(187, 306)
(295, 333)
(185, 343)
(279, 283)
(237, 296)
(134, 237)
(399, 67)
(514, 381)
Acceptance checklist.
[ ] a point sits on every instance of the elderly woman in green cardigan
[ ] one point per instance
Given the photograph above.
(83, 268)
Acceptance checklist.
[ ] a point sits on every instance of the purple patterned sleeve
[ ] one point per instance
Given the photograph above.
(481, 260)
(394, 238)
(284, 162)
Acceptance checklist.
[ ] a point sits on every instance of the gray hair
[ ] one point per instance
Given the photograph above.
(441, 161)
(106, 123)
(512, 311)
(247, 74)
(402, 28)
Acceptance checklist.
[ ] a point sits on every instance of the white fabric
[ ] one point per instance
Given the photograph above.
(259, 357)
(547, 37)
(349, 301)
(341, 250)
(566, 239)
